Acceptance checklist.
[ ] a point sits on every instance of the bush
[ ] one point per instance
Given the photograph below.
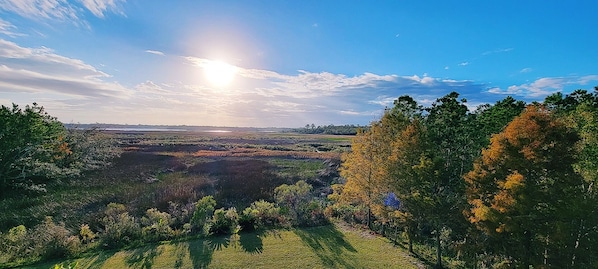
(204, 208)
(156, 225)
(248, 220)
(267, 214)
(120, 229)
(180, 214)
(50, 240)
(86, 234)
(225, 221)
(14, 245)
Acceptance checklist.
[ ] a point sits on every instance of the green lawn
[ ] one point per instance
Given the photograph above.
(320, 247)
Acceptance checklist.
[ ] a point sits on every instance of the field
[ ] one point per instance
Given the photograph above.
(320, 247)
(156, 168)
(174, 169)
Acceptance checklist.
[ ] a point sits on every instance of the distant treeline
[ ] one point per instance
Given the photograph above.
(349, 129)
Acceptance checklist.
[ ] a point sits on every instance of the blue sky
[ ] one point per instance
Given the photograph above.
(285, 63)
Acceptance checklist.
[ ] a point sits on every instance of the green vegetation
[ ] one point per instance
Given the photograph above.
(319, 247)
(506, 186)
(36, 149)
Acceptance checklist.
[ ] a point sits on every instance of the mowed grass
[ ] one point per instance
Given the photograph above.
(319, 247)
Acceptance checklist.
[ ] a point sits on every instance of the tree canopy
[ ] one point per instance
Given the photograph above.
(505, 183)
(35, 149)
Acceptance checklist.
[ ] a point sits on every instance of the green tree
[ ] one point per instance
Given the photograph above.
(32, 145)
(412, 174)
(523, 191)
(492, 119)
(452, 150)
(35, 148)
(579, 111)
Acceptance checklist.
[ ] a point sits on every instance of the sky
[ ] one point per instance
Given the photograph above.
(276, 63)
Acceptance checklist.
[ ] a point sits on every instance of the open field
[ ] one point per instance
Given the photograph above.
(156, 168)
(320, 247)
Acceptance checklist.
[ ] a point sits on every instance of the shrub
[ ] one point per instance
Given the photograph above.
(156, 225)
(204, 208)
(180, 214)
(248, 220)
(120, 229)
(14, 245)
(224, 221)
(267, 214)
(51, 240)
(86, 234)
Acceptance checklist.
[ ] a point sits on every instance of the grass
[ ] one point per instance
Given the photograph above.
(319, 247)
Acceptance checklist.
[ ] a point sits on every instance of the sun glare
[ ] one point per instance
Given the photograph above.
(218, 73)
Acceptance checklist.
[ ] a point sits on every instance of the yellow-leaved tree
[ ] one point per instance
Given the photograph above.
(523, 191)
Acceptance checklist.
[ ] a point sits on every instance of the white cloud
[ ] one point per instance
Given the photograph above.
(497, 51)
(463, 63)
(40, 70)
(6, 28)
(155, 52)
(62, 10)
(100, 7)
(545, 86)
(526, 70)
(45, 9)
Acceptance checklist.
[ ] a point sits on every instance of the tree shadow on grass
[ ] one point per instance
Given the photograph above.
(201, 251)
(99, 260)
(328, 244)
(142, 257)
(252, 242)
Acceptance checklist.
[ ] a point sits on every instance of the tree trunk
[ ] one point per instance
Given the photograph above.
(438, 250)
(410, 239)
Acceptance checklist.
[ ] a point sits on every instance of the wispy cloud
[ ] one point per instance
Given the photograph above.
(463, 63)
(497, 51)
(7, 28)
(61, 10)
(526, 70)
(545, 86)
(100, 7)
(155, 52)
(40, 70)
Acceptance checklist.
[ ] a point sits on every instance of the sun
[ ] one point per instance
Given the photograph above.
(218, 73)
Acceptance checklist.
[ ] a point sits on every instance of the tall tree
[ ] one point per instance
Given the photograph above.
(523, 191)
(367, 166)
(449, 126)
(579, 110)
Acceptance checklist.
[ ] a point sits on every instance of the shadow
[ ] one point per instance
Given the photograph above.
(252, 242)
(179, 253)
(98, 261)
(201, 251)
(328, 244)
(142, 257)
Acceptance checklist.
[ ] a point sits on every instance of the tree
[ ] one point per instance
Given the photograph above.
(579, 111)
(492, 119)
(523, 192)
(35, 148)
(412, 177)
(32, 145)
(449, 130)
